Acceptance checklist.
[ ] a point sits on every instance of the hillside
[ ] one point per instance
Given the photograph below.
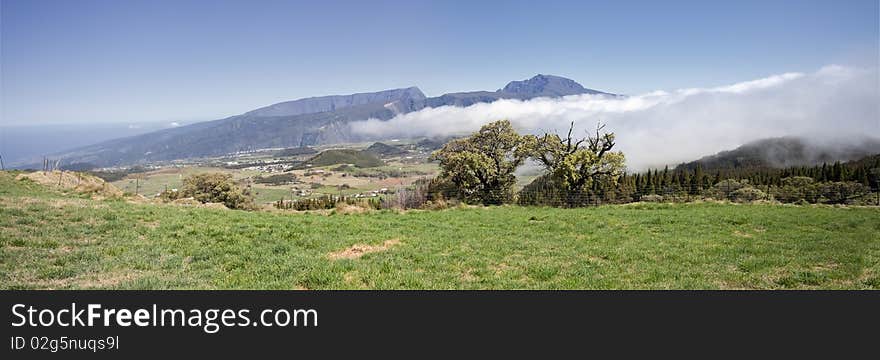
(113, 244)
(361, 159)
(298, 123)
(382, 149)
(405, 98)
(787, 152)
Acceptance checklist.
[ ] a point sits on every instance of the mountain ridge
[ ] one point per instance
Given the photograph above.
(302, 122)
(787, 151)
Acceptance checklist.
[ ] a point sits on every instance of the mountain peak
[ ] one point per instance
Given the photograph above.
(546, 85)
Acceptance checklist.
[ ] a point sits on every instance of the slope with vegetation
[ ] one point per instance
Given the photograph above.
(382, 149)
(362, 159)
(787, 152)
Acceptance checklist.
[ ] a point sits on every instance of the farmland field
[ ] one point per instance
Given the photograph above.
(55, 240)
(354, 180)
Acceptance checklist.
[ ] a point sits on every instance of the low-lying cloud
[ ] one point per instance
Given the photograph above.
(833, 104)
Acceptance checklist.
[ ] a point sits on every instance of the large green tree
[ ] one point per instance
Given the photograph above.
(575, 165)
(481, 166)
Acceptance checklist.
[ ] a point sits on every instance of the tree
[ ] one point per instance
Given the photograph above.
(216, 188)
(481, 166)
(574, 165)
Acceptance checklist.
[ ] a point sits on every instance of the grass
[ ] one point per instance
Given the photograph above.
(55, 240)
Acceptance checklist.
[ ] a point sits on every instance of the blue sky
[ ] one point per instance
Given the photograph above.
(142, 61)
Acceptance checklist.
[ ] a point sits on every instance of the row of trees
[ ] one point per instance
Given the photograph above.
(865, 172)
(585, 171)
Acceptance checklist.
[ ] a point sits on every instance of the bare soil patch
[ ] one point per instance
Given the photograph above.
(358, 250)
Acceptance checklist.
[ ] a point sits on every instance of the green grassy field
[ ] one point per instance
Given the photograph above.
(58, 241)
(154, 182)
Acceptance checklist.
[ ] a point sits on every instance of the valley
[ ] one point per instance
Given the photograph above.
(274, 175)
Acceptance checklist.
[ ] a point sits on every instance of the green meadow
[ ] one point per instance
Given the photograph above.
(56, 240)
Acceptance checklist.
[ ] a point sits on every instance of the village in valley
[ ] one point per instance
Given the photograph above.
(375, 170)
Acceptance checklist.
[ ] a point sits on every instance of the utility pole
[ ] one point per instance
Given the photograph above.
(1, 163)
(136, 185)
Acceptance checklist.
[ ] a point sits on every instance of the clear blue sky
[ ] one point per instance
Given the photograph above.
(157, 60)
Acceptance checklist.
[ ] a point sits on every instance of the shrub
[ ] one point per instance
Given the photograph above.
(169, 195)
(438, 204)
(796, 189)
(217, 188)
(840, 192)
(724, 189)
(344, 208)
(652, 198)
(747, 194)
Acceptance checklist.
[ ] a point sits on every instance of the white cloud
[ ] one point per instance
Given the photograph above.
(174, 124)
(669, 127)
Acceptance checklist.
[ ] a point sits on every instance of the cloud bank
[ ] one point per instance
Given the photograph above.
(833, 104)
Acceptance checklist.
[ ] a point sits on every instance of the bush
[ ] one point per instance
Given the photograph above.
(796, 189)
(803, 189)
(724, 189)
(169, 195)
(652, 198)
(438, 204)
(840, 192)
(747, 194)
(217, 188)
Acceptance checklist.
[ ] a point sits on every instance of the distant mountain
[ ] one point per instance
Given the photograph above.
(548, 86)
(432, 144)
(537, 86)
(403, 100)
(298, 123)
(788, 151)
